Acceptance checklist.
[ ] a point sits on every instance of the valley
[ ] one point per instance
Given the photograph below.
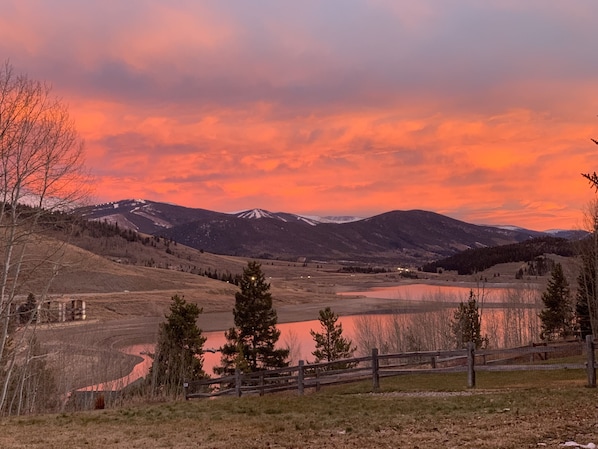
(127, 280)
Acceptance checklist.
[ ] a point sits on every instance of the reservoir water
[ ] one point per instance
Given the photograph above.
(509, 318)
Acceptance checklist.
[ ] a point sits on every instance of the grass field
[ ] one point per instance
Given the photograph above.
(507, 410)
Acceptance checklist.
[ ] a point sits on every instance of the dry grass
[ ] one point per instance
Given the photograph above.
(507, 411)
(516, 416)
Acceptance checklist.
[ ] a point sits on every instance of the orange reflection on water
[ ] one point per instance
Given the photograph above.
(509, 318)
(139, 370)
(296, 336)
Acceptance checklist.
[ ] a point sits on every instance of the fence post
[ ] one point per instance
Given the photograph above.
(590, 367)
(261, 383)
(238, 382)
(470, 365)
(186, 389)
(317, 378)
(375, 370)
(300, 377)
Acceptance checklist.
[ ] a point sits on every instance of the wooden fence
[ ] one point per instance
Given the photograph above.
(377, 366)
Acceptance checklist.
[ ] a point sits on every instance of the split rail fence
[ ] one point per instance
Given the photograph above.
(377, 366)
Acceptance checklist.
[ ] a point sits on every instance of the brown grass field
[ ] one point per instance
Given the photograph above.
(127, 301)
(507, 410)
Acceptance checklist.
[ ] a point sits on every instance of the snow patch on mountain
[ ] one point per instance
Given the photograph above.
(509, 227)
(119, 220)
(312, 220)
(254, 214)
(332, 218)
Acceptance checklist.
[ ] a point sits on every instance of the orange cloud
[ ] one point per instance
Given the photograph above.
(327, 107)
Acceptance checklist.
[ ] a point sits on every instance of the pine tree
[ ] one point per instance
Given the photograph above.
(330, 343)
(557, 315)
(467, 324)
(27, 311)
(179, 352)
(251, 342)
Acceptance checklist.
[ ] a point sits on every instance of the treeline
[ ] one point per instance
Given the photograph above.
(475, 260)
(365, 270)
(377, 270)
(224, 276)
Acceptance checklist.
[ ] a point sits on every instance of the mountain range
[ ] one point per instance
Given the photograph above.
(396, 237)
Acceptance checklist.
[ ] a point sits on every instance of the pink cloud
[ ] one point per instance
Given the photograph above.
(482, 111)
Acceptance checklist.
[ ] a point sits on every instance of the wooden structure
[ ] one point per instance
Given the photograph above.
(60, 310)
(377, 366)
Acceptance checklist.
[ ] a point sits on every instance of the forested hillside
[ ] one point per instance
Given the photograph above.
(475, 260)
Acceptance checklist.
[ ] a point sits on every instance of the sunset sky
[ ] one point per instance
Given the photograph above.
(479, 110)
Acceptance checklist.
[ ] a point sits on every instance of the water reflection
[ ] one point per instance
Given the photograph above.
(509, 318)
(488, 292)
(139, 370)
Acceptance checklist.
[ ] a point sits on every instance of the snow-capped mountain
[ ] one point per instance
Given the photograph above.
(313, 220)
(255, 214)
(398, 236)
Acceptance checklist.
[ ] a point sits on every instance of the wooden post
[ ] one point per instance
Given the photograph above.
(590, 366)
(375, 370)
(186, 389)
(300, 377)
(470, 365)
(317, 378)
(238, 382)
(433, 362)
(261, 383)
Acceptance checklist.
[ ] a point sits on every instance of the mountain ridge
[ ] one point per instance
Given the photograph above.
(405, 237)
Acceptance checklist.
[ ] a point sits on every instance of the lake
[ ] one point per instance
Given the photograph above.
(509, 317)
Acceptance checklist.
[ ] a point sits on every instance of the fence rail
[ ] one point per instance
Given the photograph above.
(377, 366)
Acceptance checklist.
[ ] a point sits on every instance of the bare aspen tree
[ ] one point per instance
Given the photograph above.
(587, 280)
(41, 172)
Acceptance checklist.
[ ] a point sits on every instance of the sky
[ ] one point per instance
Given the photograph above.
(479, 110)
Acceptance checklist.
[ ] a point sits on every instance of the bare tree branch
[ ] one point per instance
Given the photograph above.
(41, 171)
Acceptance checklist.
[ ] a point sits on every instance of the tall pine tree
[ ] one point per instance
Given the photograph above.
(467, 324)
(330, 343)
(251, 342)
(179, 352)
(557, 314)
